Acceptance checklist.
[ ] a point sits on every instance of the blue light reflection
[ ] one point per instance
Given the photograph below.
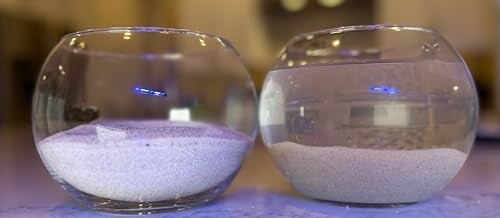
(387, 90)
(145, 91)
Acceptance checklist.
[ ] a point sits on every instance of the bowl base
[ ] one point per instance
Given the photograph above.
(369, 205)
(105, 205)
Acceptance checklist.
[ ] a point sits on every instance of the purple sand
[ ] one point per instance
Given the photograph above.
(144, 160)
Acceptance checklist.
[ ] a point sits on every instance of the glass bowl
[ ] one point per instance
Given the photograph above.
(142, 119)
(369, 114)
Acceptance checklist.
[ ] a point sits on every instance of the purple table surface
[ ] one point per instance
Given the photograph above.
(259, 190)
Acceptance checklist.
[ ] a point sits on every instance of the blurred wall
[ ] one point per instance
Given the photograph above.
(78, 14)
(470, 26)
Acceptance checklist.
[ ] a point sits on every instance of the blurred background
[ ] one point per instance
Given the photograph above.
(257, 28)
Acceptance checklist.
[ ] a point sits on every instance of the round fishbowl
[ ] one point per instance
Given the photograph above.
(138, 120)
(371, 115)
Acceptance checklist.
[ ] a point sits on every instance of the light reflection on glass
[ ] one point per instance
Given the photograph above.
(179, 114)
(283, 57)
(383, 90)
(72, 42)
(145, 91)
(202, 42)
(61, 70)
(396, 28)
(221, 42)
(127, 35)
(336, 43)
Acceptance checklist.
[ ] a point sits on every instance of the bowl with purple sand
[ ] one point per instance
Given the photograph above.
(138, 120)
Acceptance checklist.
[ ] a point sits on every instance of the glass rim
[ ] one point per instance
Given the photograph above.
(223, 43)
(331, 32)
(371, 27)
(143, 29)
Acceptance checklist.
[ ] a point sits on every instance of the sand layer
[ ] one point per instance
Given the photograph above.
(144, 160)
(366, 175)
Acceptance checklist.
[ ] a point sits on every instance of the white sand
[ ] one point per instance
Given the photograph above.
(367, 176)
(144, 160)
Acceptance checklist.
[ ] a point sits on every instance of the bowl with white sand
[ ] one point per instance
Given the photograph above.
(138, 120)
(371, 115)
